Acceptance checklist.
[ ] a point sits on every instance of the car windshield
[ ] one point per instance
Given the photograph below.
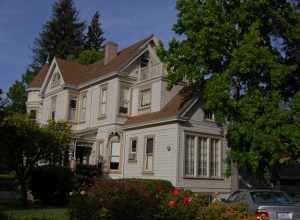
(278, 198)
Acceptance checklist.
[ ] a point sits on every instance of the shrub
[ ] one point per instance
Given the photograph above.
(223, 211)
(119, 199)
(181, 204)
(51, 185)
(85, 174)
(152, 185)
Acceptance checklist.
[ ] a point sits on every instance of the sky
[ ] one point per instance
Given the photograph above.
(123, 21)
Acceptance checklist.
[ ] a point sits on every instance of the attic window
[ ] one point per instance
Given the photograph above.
(209, 115)
(55, 80)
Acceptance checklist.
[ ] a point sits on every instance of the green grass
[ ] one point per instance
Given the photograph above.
(28, 214)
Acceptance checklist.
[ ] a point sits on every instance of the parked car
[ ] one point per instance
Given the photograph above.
(273, 204)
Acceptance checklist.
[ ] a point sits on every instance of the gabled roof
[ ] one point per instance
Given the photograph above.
(40, 77)
(75, 74)
(170, 110)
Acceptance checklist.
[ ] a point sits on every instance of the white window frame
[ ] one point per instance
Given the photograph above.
(207, 114)
(131, 152)
(83, 107)
(149, 171)
(111, 156)
(101, 102)
(197, 138)
(72, 98)
(143, 90)
(122, 99)
(53, 108)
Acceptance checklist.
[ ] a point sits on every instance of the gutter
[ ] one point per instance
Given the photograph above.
(153, 122)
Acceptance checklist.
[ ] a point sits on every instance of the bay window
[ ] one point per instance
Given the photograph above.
(202, 156)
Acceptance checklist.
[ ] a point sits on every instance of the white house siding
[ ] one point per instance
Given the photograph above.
(34, 96)
(61, 106)
(164, 164)
(92, 106)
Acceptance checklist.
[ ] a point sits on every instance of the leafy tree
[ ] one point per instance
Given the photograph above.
(94, 38)
(23, 143)
(61, 36)
(3, 102)
(89, 56)
(17, 98)
(244, 58)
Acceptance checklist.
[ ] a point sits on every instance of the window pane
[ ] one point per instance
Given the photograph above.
(189, 155)
(202, 156)
(124, 100)
(149, 147)
(115, 149)
(214, 157)
(104, 95)
(145, 98)
(133, 146)
(115, 156)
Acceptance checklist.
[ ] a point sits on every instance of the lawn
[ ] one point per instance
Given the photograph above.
(53, 214)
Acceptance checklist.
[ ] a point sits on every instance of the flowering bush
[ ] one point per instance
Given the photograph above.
(148, 199)
(118, 199)
(181, 204)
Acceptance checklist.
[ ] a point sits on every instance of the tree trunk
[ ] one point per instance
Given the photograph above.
(24, 200)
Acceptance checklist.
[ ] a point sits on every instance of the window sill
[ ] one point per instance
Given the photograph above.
(144, 109)
(132, 161)
(123, 115)
(101, 117)
(203, 178)
(115, 171)
(148, 172)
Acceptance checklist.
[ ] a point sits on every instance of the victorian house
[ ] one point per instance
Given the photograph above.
(123, 116)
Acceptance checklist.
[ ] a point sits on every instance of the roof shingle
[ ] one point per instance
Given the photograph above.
(75, 74)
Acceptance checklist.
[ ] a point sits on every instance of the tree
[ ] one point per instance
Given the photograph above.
(61, 36)
(89, 56)
(94, 38)
(242, 58)
(23, 143)
(17, 98)
(3, 102)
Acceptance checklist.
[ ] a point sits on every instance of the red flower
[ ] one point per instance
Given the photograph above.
(175, 191)
(158, 188)
(172, 203)
(186, 200)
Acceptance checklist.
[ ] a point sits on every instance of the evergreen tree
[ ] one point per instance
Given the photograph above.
(243, 58)
(94, 38)
(61, 36)
(17, 98)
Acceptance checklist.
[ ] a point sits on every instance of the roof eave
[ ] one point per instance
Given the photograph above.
(153, 123)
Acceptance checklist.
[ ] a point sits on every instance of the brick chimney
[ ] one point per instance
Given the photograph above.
(110, 51)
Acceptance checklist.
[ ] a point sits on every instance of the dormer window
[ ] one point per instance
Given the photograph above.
(55, 80)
